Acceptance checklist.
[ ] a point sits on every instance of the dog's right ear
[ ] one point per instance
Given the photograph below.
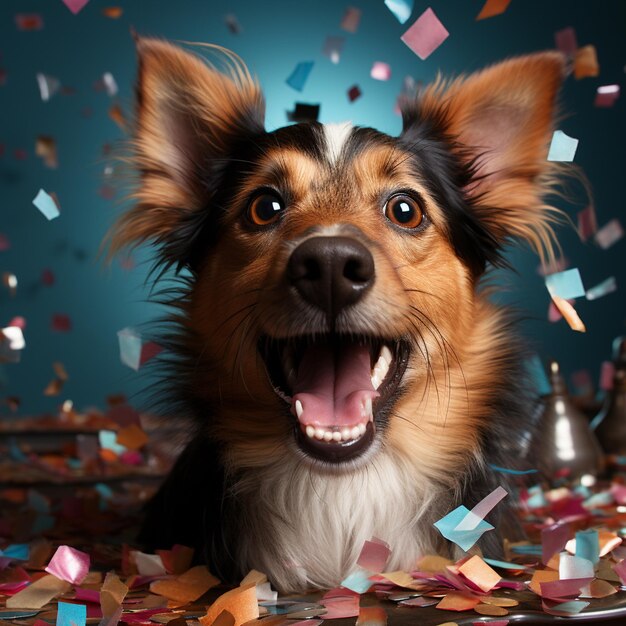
(188, 118)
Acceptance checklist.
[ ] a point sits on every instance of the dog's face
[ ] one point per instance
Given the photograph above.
(335, 268)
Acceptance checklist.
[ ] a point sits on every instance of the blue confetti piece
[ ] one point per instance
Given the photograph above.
(465, 539)
(533, 550)
(130, 347)
(588, 545)
(567, 284)
(537, 499)
(300, 75)
(108, 440)
(17, 551)
(537, 374)
(604, 498)
(514, 472)
(402, 9)
(71, 614)
(46, 204)
(504, 564)
(562, 147)
(358, 581)
(604, 288)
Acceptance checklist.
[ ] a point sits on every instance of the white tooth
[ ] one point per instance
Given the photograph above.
(328, 436)
(355, 432)
(319, 434)
(299, 408)
(310, 431)
(337, 436)
(368, 407)
(375, 380)
(345, 434)
(385, 353)
(362, 428)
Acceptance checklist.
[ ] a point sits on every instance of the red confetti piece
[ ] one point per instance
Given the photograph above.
(29, 21)
(354, 93)
(61, 322)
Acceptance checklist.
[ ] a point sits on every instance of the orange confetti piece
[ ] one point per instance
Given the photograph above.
(433, 563)
(254, 577)
(492, 8)
(458, 602)
(569, 313)
(542, 576)
(113, 12)
(600, 589)
(498, 601)
(399, 578)
(117, 115)
(112, 594)
(371, 616)
(241, 603)
(132, 437)
(608, 541)
(586, 63)
(38, 593)
(188, 587)
(478, 572)
(491, 610)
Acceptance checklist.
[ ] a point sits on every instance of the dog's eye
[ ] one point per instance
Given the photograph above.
(265, 209)
(403, 211)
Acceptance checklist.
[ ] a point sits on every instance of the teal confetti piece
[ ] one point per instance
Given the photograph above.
(567, 284)
(17, 551)
(108, 440)
(562, 147)
(604, 498)
(358, 581)
(604, 288)
(537, 374)
(536, 499)
(46, 204)
(534, 550)
(504, 564)
(130, 347)
(299, 76)
(71, 614)
(588, 545)
(465, 539)
(402, 9)
(513, 472)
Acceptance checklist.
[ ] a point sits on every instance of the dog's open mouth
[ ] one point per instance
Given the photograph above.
(338, 388)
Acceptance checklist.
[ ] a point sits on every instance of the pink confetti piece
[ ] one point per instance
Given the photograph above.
(149, 350)
(148, 564)
(609, 234)
(87, 595)
(339, 607)
(620, 570)
(587, 223)
(75, 6)
(5, 243)
(566, 41)
(69, 564)
(556, 589)
(607, 371)
(553, 540)
(380, 71)
(425, 35)
(351, 19)
(606, 96)
(374, 555)
(478, 513)
(493, 622)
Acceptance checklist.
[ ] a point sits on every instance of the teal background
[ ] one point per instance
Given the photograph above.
(78, 49)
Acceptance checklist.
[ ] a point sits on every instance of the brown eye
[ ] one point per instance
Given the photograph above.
(403, 211)
(265, 209)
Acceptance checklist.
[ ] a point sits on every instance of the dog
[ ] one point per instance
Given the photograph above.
(331, 335)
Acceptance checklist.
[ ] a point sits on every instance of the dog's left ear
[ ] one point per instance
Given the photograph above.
(188, 119)
(499, 121)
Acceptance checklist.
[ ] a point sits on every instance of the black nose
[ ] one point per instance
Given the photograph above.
(331, 272)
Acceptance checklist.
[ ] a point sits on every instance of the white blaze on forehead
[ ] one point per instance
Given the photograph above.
(336, 136)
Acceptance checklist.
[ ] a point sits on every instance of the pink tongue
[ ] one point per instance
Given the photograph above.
(334, 386)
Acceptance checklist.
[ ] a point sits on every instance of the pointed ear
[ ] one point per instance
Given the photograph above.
(188, 118)
(499, 122)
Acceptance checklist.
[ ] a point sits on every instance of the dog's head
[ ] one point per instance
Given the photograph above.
(334, 268)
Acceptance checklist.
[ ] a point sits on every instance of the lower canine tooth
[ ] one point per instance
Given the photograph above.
(299, 408)
(310, 431)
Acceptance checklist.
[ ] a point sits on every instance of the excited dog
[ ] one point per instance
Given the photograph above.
(332, 337)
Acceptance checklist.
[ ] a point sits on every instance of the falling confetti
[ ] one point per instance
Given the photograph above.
(47, 204)
(426, 34)
(563, 147)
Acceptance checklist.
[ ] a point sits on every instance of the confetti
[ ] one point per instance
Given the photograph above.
(566, 284)
(426, 34)
(117, 115)
(587, 224)
(606, 96)
(354, 93)
(75, 6)
(586, 63)
(574, 567)
(570, 314)
(61, 323)
(38, 593)
(113, 13)
(112, 594)
(304, 112)
(147, 564)
(505, 564)
(29, 21)
(188, 587)
(454, 601)
(332, 49)
(447, 526)
(380, 71)
(71, 614)
(47, 204)
(606, 287)
(493, 8)
(240, 602)
(109, 83)
(358, 581)
(478, 513)
(132, 437)
(565, 609)
(607, 372)
(48, 86)
(371, 616)
(566, 41)
(374, 555)
(338, 607)
(5, 243)
(402, 9)
(45, 147)
(491, 610)
(562, 147)
(479, 573)
(300, 74)
(130, 347)
(609, 234)
(232, 23)
(9, 280)
(556, 589)
(351, 19)
(588, 545)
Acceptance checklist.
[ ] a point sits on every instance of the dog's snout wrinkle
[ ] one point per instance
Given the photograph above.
(331, 273)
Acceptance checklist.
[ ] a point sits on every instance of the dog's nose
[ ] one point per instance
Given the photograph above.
(331, 272)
